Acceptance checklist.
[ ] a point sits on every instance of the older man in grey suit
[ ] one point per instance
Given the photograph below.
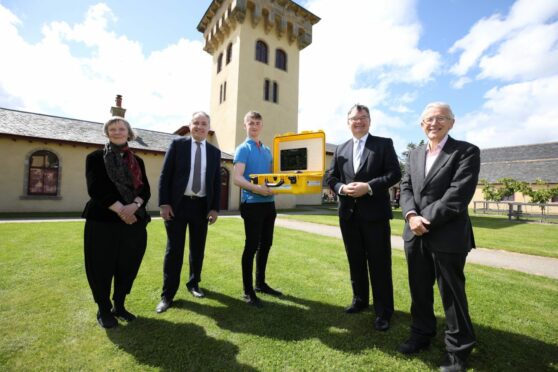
(438, 185)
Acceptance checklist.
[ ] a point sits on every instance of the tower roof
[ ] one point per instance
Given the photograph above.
(285, 16)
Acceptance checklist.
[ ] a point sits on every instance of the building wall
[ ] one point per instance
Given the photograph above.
(72, 186)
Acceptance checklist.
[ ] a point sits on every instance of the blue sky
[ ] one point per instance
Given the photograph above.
(494, 61)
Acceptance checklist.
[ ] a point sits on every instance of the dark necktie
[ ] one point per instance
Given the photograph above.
(196, 182)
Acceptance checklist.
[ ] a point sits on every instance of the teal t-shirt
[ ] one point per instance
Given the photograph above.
(258, 160)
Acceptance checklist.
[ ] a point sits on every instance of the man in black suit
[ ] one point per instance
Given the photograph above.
(361, 173)
(438, 185)
(189, 195)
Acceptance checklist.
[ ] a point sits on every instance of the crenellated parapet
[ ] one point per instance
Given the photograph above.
(283, 17)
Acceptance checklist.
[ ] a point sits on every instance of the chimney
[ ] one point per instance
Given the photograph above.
(118, 110)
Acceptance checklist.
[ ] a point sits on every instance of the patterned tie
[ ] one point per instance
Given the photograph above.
(196, 182)
(357, 156)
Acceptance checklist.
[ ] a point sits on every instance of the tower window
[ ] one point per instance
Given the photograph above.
(267, 85)
(43, 173)
(275, 95)
(261, 51)
(229, 54)
(271, 91)
(219, 62)
(281, 59)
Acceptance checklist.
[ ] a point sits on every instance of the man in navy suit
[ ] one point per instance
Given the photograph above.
(189, 196)
(439, 182)
(361, 173)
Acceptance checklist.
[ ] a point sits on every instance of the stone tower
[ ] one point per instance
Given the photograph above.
(255, 46)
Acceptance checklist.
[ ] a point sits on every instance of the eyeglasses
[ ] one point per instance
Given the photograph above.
(359, 118)
(439, 119)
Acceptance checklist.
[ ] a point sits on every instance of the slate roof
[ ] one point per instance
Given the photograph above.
(522, 163)
(40, 126)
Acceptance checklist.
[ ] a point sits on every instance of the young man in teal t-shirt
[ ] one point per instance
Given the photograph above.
(257, 208)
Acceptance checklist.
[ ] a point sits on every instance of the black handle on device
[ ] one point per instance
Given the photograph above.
(277, 184)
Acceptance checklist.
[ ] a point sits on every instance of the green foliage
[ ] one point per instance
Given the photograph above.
(543, 194)
(489, 192)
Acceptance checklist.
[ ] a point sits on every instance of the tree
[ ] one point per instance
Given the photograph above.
(542, 195)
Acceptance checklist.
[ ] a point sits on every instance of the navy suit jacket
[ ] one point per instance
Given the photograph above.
(443, 196)
(176, 171)
(379, 167)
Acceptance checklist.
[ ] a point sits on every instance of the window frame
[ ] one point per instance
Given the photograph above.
(281, 59)
(262, 52)
(43, 171)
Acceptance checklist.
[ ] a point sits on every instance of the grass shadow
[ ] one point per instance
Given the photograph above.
(293, 319)
(175, 346)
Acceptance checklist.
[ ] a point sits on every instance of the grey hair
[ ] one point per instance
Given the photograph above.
(114, 120)
(201, 113)
(441, 105)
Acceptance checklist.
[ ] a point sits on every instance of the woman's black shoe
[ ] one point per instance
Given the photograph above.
(106, 320)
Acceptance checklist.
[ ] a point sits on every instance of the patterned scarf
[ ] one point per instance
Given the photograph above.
(123, 170)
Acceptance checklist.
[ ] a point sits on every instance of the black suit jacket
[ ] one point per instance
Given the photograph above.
(379, 167)
(104, 193)
(443, 196)
(176, 171)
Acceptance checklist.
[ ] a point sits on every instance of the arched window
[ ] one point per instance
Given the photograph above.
(43, 173)
(229, 53)
(219, 62)
(281, 59)
(261, 51)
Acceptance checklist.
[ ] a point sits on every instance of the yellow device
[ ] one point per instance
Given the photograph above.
(298, 164)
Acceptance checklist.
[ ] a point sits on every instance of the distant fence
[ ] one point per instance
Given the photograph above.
(519, 211)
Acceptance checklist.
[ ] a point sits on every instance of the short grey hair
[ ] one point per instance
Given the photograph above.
(114, 120)
(442, 105)
(201, 113)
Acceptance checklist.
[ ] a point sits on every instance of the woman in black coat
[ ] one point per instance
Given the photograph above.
(115, 233)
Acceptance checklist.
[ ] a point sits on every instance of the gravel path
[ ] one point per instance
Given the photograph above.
(536, 265)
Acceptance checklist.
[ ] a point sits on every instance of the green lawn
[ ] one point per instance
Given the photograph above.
(47, 315)
(493, 232)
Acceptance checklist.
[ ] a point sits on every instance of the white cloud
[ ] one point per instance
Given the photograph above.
(515, 114)
(533, 51)
(359, 51)
(522, 28)
(77, 70)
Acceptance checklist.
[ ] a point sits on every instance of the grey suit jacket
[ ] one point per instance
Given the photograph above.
(379, 168)
(176, 171)
(443, 196)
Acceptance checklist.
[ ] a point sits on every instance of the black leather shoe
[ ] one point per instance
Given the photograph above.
(122, 313)
(252, 300)
(196, 292)
(452, 363)
(413, 346)
(381, 324)
(356, 307)
(163, 305)
(106, 320)
(268, 290)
